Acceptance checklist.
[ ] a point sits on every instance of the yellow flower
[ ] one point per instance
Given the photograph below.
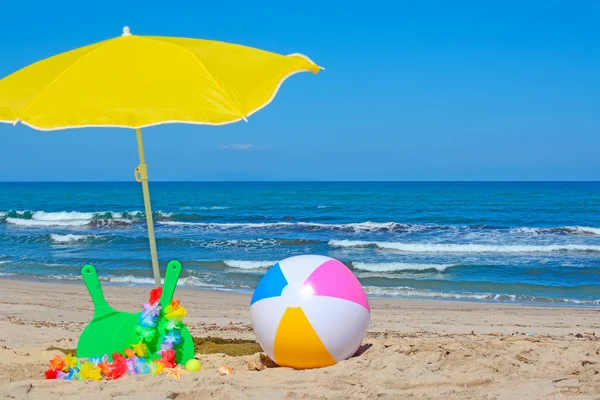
(159, 368)
(70, 362)
(89, 371)
(140, 349)
(175, 311)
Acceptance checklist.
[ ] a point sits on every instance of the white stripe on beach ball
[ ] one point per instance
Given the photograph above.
(341, 331)
(297, 269)
(265, 316)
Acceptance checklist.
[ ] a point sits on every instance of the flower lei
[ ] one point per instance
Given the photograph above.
(137, 359)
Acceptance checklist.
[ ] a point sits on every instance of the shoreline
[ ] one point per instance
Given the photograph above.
(569, 303)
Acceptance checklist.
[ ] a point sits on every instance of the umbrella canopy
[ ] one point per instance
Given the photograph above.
(139, 81)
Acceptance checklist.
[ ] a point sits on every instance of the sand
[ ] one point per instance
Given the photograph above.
(415, 349)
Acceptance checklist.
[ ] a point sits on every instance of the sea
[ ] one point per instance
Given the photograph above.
(502, 242)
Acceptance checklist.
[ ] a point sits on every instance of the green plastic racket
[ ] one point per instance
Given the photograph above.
(111, 331)
(185, 350)
(98, 337)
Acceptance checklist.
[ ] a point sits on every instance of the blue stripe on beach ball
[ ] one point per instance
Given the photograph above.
(271, 284)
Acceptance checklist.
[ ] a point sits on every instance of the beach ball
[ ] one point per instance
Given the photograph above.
(309, 311)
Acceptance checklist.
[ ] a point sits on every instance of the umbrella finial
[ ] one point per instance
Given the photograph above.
(126, 31)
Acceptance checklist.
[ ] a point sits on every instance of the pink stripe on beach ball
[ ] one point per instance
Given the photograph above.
(334, 279)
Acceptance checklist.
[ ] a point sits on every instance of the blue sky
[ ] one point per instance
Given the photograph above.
(413, 90)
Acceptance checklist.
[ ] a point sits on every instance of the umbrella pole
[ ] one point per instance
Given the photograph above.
(141, 175)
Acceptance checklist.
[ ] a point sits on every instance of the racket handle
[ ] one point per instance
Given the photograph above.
(90, 277)
(171, 278)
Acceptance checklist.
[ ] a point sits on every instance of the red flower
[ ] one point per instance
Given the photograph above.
(166, 363)
(118, 357)
(169, 356)
(155, 295)
(51, 374)
(118, 367)
(117, 370)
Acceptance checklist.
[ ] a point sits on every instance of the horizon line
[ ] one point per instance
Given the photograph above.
(308, 181)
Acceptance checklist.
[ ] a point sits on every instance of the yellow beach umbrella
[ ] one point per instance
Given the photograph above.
(139, 81)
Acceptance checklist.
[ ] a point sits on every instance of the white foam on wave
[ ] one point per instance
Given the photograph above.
(405, 291)
(574, 230)
(243, 264)
(77, 218)
(31, 222)
(130, 279)
(61, 216)
(585, 229)
(361, 226)
(398, 267)
(370, 226)
(188, 281)
(125, 279)
(356, 227)
(206, 208)
(227, 225)
(528, 231)
(64, 218)
(241, 243)
(462, 248)
(69, 238)
(42, 218)
(367, 226)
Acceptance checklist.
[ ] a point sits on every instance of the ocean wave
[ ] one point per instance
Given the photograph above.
(184, 281)
(69, 238)
(74, 218)
(399, 267)
(129, 279)
(584, 230)
(206, 208)
(408, 292)
(569, 230)
(354, 227)
(369, 226)
(254, 243)
(173, 241)
(29, 218)
(243, 264)
(462, 248)
(80, 219)
(43, 222)
(216, 225)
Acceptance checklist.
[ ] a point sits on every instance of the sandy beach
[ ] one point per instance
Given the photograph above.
(415, 349)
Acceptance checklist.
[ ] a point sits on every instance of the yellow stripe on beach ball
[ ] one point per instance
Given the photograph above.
(297, 344)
